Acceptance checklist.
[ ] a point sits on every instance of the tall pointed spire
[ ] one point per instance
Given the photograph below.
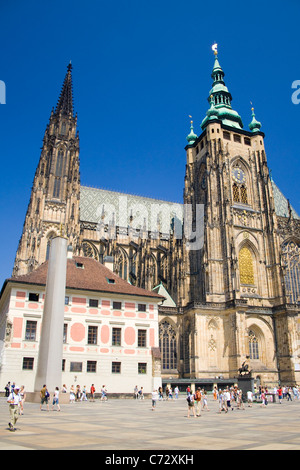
(65, 101)
(220, 99)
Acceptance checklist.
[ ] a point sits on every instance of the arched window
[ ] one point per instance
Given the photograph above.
(56, 188)
(59, 163)
(244, 198)
(89, 250)
(291, 263)
(132, 266)
(168, 346)
(239, 187)
(246, 266)
(236, 193)
(121, 263)
(253, 346)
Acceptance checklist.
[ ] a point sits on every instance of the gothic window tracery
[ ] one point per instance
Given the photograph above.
(244, 197)
(132, 266)
(235, 193)
(253, 345)
(89, 250)
(168, 345)
(239, 186)
(291, 263)
(121, 263)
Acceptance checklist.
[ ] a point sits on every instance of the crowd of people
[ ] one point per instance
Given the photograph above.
(232, 398)
(229, 398)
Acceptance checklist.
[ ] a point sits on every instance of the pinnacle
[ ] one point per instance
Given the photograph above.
(65, 101)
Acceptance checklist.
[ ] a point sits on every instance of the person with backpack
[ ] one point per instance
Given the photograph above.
(191, 405)
(45, 395)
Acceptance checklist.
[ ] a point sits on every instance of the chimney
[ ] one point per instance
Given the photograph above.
(69, 252)
(108, 262)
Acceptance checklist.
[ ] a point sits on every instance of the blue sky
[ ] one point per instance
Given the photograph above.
(140, 69)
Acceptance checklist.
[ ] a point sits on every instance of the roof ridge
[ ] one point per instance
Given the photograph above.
(97, 188)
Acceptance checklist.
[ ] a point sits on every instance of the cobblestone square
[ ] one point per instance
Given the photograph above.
(131, 425)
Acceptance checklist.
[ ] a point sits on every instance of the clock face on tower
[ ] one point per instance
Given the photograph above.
(238, 175)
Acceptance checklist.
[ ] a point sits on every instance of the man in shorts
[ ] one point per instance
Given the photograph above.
(44, 394)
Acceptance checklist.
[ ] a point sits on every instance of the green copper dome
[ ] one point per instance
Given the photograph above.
(192, 137)
(254, 125)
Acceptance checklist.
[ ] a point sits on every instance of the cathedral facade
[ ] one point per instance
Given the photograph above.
(227, 260)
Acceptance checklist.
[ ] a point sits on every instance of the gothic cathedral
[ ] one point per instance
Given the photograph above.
(235, 296)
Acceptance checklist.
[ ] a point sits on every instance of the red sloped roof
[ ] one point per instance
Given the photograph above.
(93, 277)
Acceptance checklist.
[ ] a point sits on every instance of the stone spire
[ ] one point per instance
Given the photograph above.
(65, 101)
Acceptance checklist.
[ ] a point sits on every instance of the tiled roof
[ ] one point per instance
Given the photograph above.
(120, 207)
(93, 276)
(281, 203)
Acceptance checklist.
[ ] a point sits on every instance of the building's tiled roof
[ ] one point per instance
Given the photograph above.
(120, 207)
(281, 203)
(93, 276)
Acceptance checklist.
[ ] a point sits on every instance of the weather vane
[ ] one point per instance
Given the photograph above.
(215, 48)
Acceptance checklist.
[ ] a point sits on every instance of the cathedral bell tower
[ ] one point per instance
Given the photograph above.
(234, 280)
(227, 172)
(54, 203)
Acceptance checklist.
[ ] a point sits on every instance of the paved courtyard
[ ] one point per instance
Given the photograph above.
(131, 425)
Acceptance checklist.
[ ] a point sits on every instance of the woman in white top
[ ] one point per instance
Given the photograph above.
(56, 399)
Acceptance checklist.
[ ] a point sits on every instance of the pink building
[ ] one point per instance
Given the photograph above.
(110, 329)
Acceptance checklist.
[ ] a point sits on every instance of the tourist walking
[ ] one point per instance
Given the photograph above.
(280, 394)
(250, 398)
(23, 398)
(72, 394)
(263, 398)
(92, 391)
(191, 405)
(56, 399)
(103, 393)
(14, 400)
(7, 390)
(205, 401)
(83, 395)
(227, 398)
(198, 397)
(78, 393)
(44, 395)
(239, 400)
(176, 391)
(154, 399)
(222, 403)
